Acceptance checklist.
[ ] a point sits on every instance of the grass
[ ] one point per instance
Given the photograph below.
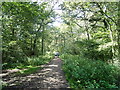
(28, 71)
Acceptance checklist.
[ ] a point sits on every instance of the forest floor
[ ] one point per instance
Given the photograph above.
(50, 76)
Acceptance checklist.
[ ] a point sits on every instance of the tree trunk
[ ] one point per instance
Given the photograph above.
(64, 42)
(71, 31)
(35, 40)
(56, 39)
(34, 46)
(42, 49)
(118, 30)
(88, 36)
(111, 37)
(119, 44)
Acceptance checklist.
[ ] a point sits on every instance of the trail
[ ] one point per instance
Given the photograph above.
(50, 76)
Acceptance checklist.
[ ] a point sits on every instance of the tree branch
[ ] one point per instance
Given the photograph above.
(103, 13)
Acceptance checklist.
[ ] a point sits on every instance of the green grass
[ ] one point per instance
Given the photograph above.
(28, 71)
(85, 73)
(23, 67)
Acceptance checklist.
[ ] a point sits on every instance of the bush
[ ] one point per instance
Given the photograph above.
(33, 61)
(94, 50)
(86, 73)
(36, 61)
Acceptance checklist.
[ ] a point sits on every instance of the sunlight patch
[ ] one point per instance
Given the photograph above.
(53, 65)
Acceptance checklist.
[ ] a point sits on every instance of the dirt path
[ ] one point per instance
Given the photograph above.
(51, 76)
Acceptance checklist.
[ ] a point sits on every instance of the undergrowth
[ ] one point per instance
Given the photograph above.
(85, 73)
(28, 61)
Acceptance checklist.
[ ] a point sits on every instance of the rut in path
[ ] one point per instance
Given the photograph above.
(51, 76)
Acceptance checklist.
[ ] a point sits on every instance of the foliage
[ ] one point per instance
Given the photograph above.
(88, 29)
(93, 50)
(36, 61)
(23, 25)
(92, 21)
(28, 61)
(86, 73)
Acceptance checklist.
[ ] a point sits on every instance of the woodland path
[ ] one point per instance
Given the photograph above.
(50, 76)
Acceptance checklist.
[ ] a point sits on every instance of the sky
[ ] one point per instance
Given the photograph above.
(57, 10)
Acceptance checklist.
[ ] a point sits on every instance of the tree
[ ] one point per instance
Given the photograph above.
(97, 21)
(24, 26)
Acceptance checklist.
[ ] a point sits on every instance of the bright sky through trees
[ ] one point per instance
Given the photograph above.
(57, 10)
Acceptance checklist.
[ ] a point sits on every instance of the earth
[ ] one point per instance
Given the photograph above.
(50, 76)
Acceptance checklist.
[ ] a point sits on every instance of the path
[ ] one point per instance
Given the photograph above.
(51, 76)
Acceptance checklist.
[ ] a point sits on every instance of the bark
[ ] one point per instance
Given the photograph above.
(71, 31)
(34, 46)
(56, 40)
(64, 42)
(111, 37)
(88, 36)
(118, 30)
(35, 40)
(42, 49)
(119, 44)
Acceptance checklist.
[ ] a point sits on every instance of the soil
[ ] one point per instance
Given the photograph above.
(50, 76)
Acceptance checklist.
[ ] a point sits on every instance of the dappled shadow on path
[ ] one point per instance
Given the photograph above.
(51, 76)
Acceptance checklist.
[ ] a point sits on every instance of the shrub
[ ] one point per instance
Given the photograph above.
(36, 61)
(95, 50)
(86, 73)
(33, 61)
